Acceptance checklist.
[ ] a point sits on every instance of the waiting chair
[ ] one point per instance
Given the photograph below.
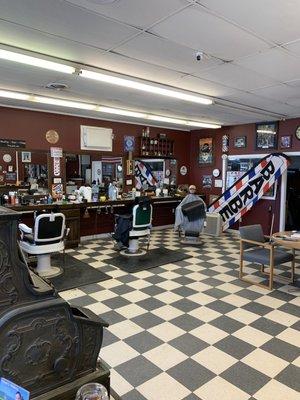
(45, 238)
(141, 224)
(255, 248)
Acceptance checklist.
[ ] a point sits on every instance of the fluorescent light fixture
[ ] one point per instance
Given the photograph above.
(14, 95)
(167, 119)
(108, 110)
(265, 131)
(203, 125)
(114, 80)
(36, 62)
(118, 111)
(64, 103)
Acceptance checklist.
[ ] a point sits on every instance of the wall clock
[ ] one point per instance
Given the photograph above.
(7, 158)
(52, 136)
(297, 133)
(216, 172)
(183, 170)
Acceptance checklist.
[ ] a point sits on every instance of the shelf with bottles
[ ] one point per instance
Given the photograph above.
(158, 147)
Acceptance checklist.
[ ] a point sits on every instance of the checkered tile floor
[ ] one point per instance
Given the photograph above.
(192, 330)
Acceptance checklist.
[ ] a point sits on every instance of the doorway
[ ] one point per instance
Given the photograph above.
(293, 195)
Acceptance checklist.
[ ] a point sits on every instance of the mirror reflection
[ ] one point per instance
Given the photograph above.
(92, 176)
(156, 175)
(33, 170)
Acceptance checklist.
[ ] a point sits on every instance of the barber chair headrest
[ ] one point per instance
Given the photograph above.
(194, 210)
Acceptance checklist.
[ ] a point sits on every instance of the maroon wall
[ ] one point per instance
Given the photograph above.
(32, 126)
(262, 213)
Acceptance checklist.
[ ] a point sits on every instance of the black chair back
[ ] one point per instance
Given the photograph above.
(49, 228)
(252, 232)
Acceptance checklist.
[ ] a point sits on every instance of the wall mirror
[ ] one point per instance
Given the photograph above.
(32, 168)
(84, 169)
(164, 172)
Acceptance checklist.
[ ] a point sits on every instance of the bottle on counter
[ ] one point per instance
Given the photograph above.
(49, 199)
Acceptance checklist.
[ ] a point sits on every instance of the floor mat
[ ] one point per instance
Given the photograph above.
(76, 273)
(154, 258)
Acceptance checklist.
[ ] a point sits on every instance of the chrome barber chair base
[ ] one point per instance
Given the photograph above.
(127, 253)
(44, 267)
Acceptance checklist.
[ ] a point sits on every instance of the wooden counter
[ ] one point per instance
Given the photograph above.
(89, 219)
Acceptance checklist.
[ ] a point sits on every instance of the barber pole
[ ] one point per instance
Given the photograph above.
(245, 192)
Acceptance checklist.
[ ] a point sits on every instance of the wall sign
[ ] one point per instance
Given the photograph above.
(128, 143)
(12, 143)
(56, 152)
(56, 166)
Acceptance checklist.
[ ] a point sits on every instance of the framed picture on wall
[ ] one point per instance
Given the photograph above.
(26, 156)
(206, 150)
(286, 142)
(266, 135)
(240, 142)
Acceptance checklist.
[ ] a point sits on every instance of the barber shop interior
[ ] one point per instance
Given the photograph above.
(149, 200)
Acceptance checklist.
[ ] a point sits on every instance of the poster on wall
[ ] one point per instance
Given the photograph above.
(97, 171)
(207, 181)
(205, 150)
(11, 391)
(128, 143)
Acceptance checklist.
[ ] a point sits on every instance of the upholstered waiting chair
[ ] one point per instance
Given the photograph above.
(255, 249)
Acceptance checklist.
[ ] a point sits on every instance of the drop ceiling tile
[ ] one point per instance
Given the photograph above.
(276, 21)
(282, 92)
(203, 86)
(294, 47)
(162, 52)
(63, 20)
(193, 27)
(275, 63)
(141, 13)
(237, 77)
(263, 105)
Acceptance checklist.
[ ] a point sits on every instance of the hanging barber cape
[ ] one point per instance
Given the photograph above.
(246, 191)
(143, 175)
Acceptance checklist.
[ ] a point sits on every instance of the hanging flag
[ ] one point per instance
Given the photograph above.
(143, 175)
(246, 191)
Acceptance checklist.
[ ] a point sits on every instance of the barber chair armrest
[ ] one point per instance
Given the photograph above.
(25, 229)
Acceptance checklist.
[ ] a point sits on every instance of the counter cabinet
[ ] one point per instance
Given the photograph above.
(97, 218)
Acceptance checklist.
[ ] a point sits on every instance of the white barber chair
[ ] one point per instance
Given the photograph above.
(141, 224)
(45, 238)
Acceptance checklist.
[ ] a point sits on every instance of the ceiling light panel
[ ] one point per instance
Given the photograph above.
(114, 80)
(106, 110)
(63, 103)
(36, 62)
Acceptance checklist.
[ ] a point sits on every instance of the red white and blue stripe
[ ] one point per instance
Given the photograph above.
(245, 192)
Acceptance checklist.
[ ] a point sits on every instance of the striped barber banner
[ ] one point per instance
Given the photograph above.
(245, 192)
(143, 175)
